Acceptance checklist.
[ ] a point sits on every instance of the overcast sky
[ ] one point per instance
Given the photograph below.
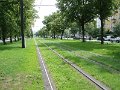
(43, 11)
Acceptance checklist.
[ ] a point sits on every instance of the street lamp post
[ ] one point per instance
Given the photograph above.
(22, 23)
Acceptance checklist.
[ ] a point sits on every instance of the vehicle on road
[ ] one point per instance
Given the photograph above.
(110, 38)
(117, 39)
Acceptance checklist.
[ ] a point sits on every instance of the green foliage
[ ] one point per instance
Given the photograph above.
(80, 11)
(10, 18)
(77, 10)
(74, 28)
(104, 9)
(55, 23)
(29, 15)
(43, 32)
(116, 30)
(92, 30)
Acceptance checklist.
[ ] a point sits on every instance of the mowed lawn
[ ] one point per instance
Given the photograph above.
(108, 54)
(19, 68)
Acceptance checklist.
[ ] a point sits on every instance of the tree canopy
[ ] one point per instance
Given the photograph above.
(80, 11)
(80, 14)
(10, 18)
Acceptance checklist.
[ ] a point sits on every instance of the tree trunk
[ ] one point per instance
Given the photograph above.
(15, 39)
(22, 23)
(82, 24)
(74, 35)
(10, 39)
(4, 40)
(62, 34)
(54, 34)
(44, 35)
(79, 30)
(18, 38)
(102, 31)
(83, 32)
(3, 37)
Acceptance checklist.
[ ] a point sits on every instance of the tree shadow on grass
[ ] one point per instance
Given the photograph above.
(9, 46)
(90, 46)
(112, 50)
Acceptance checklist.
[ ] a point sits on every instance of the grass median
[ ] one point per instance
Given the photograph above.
(109, 78)
(64, 76)
(19, 68)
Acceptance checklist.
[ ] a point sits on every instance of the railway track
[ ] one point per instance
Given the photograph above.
(97, 83)
(48, 82)
(108, 67)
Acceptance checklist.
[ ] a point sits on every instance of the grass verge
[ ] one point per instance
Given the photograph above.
(19, 68)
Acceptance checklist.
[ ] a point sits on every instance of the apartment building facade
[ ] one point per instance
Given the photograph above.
(112, 21)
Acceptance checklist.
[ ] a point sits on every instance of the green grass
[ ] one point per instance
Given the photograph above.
(64, 76)
(109, 55)
(19, 68)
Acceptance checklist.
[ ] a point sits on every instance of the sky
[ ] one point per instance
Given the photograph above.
(43, 11)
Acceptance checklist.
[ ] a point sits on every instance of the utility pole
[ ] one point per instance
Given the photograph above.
(22, 23)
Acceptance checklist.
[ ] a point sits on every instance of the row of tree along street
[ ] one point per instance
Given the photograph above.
(10, 19)
(78, 16)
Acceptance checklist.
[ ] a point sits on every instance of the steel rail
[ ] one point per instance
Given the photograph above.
(108, 67)
(46, 77)
(97, 83)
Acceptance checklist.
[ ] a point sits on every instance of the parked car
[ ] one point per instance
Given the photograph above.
(110, 38)
(117, 39)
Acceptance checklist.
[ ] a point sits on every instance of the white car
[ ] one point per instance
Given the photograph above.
(117, 39)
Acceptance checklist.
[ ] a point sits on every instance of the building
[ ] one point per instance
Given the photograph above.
(112, 21)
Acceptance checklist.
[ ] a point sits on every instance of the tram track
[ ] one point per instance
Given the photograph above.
(106, 66)
(97, 83)
(48, 82)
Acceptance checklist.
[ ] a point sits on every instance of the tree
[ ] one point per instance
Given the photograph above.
(116, 30)
(92, 30)
(79, 11)
(42, 32)
(46, 22)
(10, 19)
(56, 23)
(74, 28)
(104, 9)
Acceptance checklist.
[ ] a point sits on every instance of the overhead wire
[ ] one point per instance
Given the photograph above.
(39, 5)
